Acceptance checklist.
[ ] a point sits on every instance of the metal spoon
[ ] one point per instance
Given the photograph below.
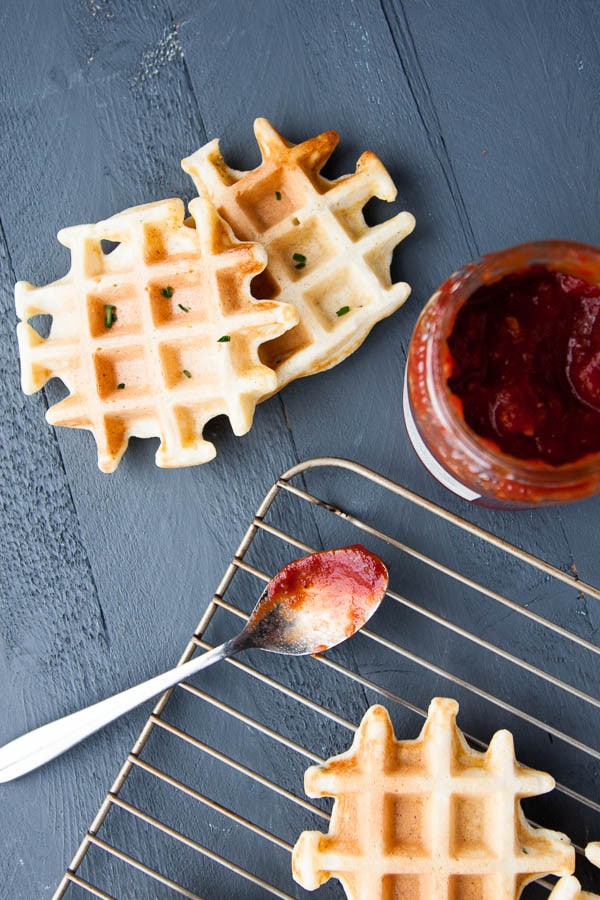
(313, 604)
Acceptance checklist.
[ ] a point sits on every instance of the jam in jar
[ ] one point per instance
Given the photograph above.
(502, 393)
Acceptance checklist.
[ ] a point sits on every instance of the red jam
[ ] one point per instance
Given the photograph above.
(502, 388)
(526, 365)
(341, 582)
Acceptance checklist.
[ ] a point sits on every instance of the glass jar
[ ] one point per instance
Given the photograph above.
(472, 466)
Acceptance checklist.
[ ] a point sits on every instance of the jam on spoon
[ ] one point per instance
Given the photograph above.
(313, 604)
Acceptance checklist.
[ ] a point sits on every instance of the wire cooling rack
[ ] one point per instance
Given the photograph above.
(225, 753)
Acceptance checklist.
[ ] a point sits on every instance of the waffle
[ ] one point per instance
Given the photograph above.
(428, 818)
(155, 338)
(322, 256)
(569, 888)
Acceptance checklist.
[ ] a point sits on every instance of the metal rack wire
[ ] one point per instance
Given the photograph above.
(226, 752)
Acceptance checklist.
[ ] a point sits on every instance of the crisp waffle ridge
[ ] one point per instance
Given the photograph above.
(158, 369)
(323, 258)
(428, 818)
(569, 888)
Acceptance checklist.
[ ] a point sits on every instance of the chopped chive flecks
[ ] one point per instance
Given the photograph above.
(109, 314)
(300, 260)
(184, 308)
(343, 310)
(278, 195)
(224, 339)
(120, 386)
(167, 291)
(187, 374)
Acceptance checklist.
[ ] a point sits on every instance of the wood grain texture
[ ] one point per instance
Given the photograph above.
(487, 117)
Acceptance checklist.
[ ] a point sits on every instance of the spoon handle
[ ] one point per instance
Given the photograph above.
(37, 747)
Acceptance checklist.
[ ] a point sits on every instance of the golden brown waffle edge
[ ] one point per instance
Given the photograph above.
(569, 888)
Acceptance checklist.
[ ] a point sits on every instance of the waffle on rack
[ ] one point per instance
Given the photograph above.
(428, 819)
(323, 258)
(156, 337)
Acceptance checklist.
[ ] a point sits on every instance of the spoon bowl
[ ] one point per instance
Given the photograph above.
(316, 602)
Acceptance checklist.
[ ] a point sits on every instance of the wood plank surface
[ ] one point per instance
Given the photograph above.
(487, 117)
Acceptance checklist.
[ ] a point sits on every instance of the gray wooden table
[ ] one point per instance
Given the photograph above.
(486, 115)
